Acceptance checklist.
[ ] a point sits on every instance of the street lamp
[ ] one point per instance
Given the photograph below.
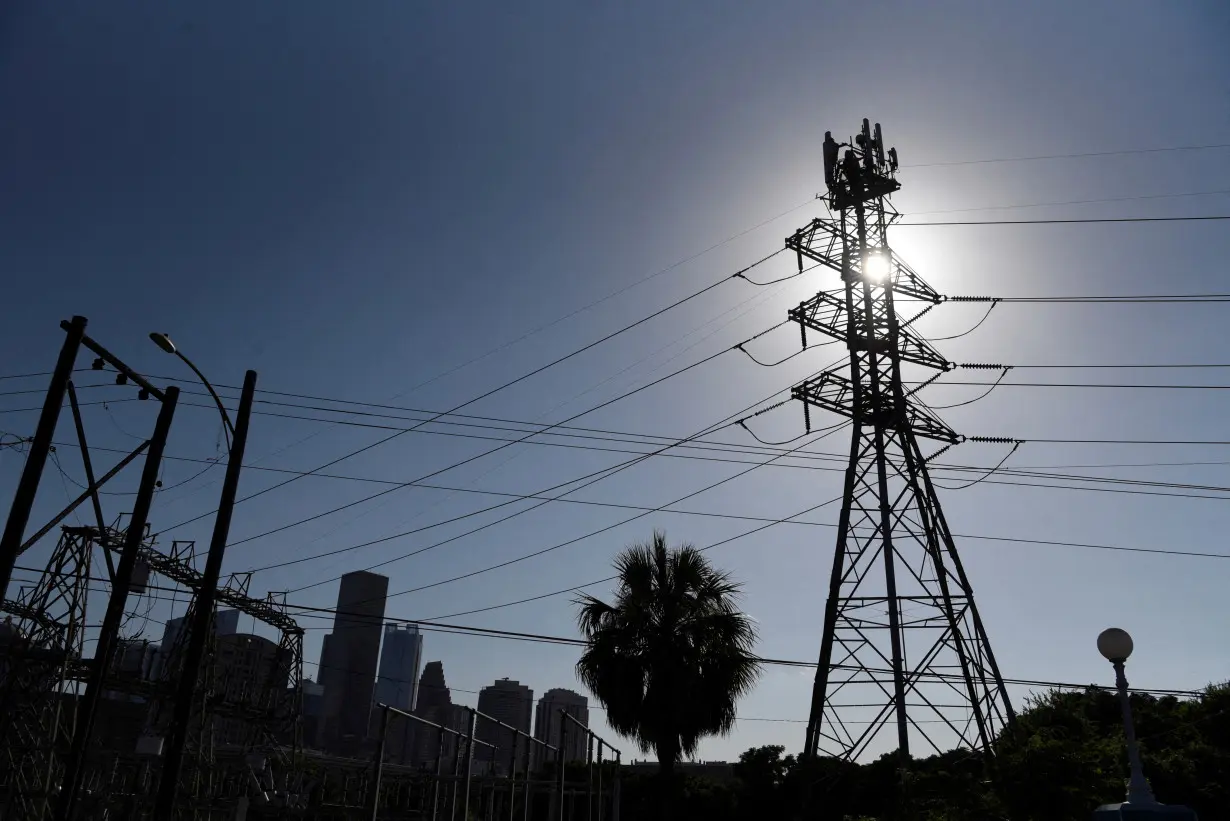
(164, 341)
(1116, 645)
(206, 597)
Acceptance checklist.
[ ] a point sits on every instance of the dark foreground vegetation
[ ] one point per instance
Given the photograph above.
(1065, 757)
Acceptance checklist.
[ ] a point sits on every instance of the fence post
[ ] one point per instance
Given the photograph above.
(560, 761)
(615, 789)
(469, 760)
(435, 788)
(600, 745)
(378, 764)
(452, 805)
(512, 777)
(589, 776)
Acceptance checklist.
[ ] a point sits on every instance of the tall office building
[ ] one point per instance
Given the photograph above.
(348, 662)
(548, 719)
(434, 704)
(512, 703)
(400, 657)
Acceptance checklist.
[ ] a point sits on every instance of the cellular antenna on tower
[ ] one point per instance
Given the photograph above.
(903, 647)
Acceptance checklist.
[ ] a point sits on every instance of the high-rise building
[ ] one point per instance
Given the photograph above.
(348, 662)
(511, 703)
(434, 704)
(400, 657)
(548, 719)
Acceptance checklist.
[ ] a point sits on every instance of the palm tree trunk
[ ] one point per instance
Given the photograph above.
(668, 786)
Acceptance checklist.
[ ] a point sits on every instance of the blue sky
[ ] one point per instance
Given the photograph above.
(352, 199)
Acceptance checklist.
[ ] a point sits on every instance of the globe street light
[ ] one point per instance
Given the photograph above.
(1116, 646)
(164, 341)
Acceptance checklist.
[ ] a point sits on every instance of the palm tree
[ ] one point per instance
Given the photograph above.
(669, 659)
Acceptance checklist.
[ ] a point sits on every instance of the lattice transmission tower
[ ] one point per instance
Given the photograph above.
(903, 645)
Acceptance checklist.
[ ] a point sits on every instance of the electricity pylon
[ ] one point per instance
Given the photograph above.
(903, 644)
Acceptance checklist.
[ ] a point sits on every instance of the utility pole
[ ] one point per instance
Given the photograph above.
(902, 636)
(75, 767)
(40, 447)
(206, 598)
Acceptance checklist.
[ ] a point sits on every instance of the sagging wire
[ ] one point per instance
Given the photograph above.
(994, 301)
(742, 271)
(1003, 372)
(740, 274)
(68, 497)
(786, 359)
(1016, 443)
(18, 444)
(808, 432)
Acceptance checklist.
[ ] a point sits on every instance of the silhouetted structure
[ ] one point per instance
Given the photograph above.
(548, 720)
(902, 638)
(348, 662)
(512, 703)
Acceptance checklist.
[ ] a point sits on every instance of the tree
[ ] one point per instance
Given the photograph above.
(671, 657)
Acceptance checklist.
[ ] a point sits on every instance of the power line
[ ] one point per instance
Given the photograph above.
(1073, 156)
(1073, 202)
(310, 611)
(601, 300)
(1084, 221)
(1023, 472)
(507, 443)
(509, 384)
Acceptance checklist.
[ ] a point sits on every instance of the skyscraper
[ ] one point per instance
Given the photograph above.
(548, 719)
(400, 657)
(348, 663)
(434, 704)
(512, 703)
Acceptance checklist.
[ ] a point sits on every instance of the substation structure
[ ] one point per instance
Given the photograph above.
(245, 743)
(89, 712)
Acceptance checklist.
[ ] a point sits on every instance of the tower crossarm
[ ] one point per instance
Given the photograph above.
(827, 314)
(822, 241)
(834, 392)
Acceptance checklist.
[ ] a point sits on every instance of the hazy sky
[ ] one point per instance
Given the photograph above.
(352, 198)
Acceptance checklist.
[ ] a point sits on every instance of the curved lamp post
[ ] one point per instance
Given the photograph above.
(206, 598)
(164, 341)
(1116, 646)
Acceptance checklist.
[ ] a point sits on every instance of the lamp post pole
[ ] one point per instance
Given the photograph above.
(1115, 645)
(1139, 793)
(206, 598)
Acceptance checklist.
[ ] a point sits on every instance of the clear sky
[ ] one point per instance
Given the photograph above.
(352, 199)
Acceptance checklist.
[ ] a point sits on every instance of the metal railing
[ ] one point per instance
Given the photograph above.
(575, 788)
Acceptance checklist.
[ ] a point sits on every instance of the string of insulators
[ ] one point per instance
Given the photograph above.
(924, 384)
(996, 440)
(981, 367)
(937, 453)
(917, 316)
(973, 299)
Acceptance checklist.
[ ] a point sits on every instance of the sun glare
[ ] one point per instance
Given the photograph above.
(875, 266)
